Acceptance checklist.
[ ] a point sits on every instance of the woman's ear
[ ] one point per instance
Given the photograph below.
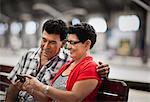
(88, 44)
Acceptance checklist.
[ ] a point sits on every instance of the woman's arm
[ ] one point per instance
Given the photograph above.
(39, 96)
(80, 90)
(29, 88)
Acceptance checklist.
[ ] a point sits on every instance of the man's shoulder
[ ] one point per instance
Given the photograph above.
(33, 49)
(32, 52)
(88, 62)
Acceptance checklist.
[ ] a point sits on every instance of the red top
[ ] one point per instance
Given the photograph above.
(85, 69)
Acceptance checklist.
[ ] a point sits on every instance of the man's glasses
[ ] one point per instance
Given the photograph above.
(73, 42)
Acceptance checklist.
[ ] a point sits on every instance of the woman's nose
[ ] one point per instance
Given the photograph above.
(69, 46)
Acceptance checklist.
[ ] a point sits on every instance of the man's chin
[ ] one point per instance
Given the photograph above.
(46, 53)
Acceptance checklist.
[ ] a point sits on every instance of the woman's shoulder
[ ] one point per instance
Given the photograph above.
(90, 62)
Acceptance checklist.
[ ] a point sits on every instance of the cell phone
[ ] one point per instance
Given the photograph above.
(21, 78)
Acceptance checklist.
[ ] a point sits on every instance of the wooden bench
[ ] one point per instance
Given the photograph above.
(4, 72)
(113, 91)
(4, 82)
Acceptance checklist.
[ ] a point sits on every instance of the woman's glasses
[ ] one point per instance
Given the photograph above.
(73, 42)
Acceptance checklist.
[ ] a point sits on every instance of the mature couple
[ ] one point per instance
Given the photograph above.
(52, 75)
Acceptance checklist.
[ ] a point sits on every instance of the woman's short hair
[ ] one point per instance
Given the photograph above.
(55, 26)
(84, 32)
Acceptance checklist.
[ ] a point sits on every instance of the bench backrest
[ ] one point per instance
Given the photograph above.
(113, 91)
(4, 72)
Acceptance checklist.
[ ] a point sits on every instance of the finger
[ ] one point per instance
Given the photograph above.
(18, 84)
(28, 76)
(104, 74)
(102, 69)
(99, 70)
(26, 84)
(101, 66)
(100, 63)
(106, 68)
(105, 65)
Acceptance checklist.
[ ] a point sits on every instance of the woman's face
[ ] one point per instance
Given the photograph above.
(77, 49)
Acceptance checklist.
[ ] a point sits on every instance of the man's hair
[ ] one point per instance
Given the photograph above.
(55, 26)
(84, 32)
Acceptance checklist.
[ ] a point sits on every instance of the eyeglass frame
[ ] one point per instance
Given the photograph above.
(73, 42)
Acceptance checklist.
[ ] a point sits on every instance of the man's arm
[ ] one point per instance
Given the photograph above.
(12, 93)
(77, 94)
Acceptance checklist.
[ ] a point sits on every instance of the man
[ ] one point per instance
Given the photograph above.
(44, 62)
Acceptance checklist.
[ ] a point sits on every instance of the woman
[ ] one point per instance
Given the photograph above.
(77, 80)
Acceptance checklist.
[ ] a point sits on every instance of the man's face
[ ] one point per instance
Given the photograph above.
(50, 44)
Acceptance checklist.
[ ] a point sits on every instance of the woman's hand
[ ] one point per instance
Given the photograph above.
(18, 85)
(31, 84)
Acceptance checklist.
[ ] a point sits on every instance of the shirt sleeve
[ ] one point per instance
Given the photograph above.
(17, 69)
(88, 72)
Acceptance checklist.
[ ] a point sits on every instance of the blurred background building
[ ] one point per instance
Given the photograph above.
(123, 28)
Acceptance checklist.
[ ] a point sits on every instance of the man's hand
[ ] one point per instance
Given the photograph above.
(103, 69)
(12, 93)
(18, 85)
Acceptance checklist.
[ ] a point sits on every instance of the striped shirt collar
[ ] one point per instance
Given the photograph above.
(36, 54)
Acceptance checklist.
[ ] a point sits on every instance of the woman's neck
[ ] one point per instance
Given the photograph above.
(81, 57)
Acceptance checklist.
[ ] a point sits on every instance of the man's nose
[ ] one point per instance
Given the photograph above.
(46, 44)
